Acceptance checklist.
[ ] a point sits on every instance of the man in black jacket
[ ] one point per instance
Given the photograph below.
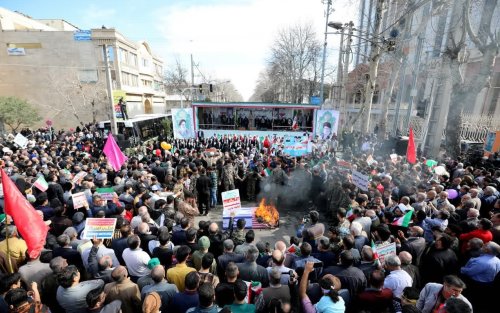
(203, 185)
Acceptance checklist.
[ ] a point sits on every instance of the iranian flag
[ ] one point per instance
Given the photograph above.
(375, 253)
(41, 183)
(403, 221)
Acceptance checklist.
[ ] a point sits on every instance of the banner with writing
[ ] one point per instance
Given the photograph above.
(79, 200)
(384, 250)
(100, 228)
(360, 180)
(231, 201)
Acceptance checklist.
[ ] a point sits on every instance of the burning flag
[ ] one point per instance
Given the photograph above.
(267, 213)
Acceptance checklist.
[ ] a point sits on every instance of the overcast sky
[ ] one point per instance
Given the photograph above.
(229, 39)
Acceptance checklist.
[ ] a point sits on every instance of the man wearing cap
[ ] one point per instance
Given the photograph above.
(204, 245)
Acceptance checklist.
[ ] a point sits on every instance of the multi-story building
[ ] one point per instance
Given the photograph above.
(60, 69)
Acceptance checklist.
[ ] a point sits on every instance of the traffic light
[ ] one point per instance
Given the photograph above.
(211, 88)
(200, 86)
(391, 45)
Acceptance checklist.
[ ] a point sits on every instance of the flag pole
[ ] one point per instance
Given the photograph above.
(7, 223)
(11, 270)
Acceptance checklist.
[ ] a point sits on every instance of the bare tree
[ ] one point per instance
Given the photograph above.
(176, 78)
(294, 63)
(79, 94)
(374, 60)
(466, 89)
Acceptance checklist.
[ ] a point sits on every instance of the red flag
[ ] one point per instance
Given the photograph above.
(411, 153)
(29, 224)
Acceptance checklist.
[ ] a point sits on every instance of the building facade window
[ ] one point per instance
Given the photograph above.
(133, 59)
(145, 63)
(124, 56)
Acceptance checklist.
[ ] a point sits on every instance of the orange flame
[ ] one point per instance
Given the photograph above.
(268, 213)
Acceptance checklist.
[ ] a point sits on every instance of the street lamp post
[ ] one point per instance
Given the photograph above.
(114, 128)
(322, 86)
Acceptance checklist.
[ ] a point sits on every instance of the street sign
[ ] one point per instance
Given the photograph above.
(82, 35)
(315, 100)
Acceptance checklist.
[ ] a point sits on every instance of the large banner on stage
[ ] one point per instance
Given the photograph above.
(182, 121)
(327, 123)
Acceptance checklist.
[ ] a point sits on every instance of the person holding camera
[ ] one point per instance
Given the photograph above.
(331, 301)
(314, 228)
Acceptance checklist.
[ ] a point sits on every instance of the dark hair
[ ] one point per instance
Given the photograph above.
(348, 242)
(346, 258)
(411, 293)
(231, 270)
(456, 305)
(240, 289)
(184, 222)
(326, 284)
(206, 295)
(249, 236)
(8, 280)
(241, 223)
(486, 224)
(192, 280)
(16, 297)
(133, 242)
(182, 253)
(207, 260)
(66, 275)
(159, 203)
(377, 278)
(446, 241)
(191, 234)
(314, 215)
(305, 249)
(454, 281)
(163, 238)
(93, 296)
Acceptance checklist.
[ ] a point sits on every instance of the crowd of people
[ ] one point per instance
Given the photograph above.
(445, 225)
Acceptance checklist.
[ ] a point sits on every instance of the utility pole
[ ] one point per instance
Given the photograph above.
(192, 78)
(322, 86)
(345, 71)
(340, 83)
(109, 82)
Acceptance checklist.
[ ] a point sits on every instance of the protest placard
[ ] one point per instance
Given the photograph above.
(360, 180)
(79, 177)
(231, 201)
(100, 228)
(106, 193)
(20, 140)
(384, 250)
(79, 200)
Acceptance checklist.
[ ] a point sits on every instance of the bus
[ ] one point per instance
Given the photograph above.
(139, 129)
